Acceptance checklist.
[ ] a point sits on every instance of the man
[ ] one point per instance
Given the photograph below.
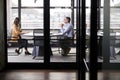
(67, 36)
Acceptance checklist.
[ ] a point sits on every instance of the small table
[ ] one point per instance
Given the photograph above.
(38, 48)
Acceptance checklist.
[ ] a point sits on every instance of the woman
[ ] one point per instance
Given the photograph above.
(16, 36)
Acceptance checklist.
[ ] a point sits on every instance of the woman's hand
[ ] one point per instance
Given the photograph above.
(24, 32)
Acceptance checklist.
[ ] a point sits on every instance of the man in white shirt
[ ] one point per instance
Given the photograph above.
(67, 36)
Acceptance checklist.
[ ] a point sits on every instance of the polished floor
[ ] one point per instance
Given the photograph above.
(38, 75)
(54, 75)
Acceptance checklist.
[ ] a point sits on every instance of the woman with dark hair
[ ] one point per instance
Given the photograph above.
(16, 36)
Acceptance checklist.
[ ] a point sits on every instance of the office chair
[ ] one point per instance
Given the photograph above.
(11, 43)
(55, 42)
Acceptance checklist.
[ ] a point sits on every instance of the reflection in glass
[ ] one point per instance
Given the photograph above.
(57, 16)
(32, 18)
(114, 32)
(114, 35)
(14, 3)
(32, 3)
(60, 3)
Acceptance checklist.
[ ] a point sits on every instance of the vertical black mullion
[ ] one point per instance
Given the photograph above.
(72, 13)
(78, 58)
(46, 31)
(83, 38)
(106, 31)
(5, 32)
(93, 40)
(98, 14)
(19, 10)
(80, 33)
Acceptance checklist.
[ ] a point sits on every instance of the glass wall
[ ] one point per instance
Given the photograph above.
(31, 20)
(32, 14)
(114, 31)
(12, 10)
(31, 23)
(59, 10)
(109, 25)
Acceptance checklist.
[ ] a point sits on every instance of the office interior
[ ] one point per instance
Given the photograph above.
(95, 50)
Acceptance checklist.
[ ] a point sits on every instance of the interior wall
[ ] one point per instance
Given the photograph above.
(2, 37)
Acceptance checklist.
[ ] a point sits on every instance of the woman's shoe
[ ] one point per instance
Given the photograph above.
(27, 53)
(17, 51)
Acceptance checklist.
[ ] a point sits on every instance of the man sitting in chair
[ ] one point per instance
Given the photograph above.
(67, 36)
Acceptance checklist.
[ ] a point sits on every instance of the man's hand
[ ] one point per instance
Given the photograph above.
(62, 25)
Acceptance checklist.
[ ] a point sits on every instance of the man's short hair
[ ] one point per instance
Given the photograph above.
(68, 19)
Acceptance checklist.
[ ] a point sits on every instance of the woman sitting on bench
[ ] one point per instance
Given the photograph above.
(16, 36)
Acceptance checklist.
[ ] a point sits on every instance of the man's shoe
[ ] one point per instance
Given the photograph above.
(63, 53)
(27, 53)
(68, 51)
(17, 51)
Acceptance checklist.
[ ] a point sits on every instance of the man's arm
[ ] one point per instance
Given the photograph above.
(69, 27)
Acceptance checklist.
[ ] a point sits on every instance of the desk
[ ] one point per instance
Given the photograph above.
(38, 48)
(30, 34)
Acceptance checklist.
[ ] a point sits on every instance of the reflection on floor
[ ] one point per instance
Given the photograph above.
(109, 75)
(54, 75)
(38, 75)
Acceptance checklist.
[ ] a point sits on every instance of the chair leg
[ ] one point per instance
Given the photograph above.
(59, 50)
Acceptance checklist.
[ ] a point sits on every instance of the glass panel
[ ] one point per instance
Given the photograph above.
(115, 32)
(87, 33)
(75, 18)
(115, 3)
(57, 17)
(11, 14)
(61, 47)
(32, 3)
(14, 3)
(100, 31)
(32, 38)
(32, 22)
(32, 18)
(86, 60)
(60, 3)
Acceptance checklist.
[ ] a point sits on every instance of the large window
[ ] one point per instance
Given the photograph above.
(32, 3)
(31, 18)
(31, 22)
(113, 28)
(58, 11)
